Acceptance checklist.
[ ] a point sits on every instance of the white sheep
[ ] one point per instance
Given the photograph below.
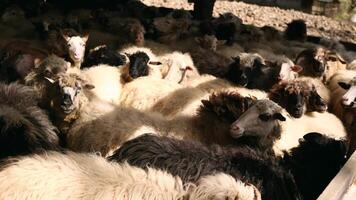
(144, 92)
(54, 175)
(221, 186)
(107, 81)
(178, 67)
(69, 175)
(343, 95)
(294, 128)
(266, 119)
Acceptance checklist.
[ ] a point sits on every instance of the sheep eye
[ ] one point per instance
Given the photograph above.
(265, 117)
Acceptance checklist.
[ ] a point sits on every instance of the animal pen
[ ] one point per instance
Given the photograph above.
(179, 100)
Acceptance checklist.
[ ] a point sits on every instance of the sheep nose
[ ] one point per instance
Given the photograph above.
(280, 77)
(235, 128)
(66, 99)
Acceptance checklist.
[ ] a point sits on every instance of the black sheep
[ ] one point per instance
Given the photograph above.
(103, 55)
(138, 64)
(192, 160)
(296, 30)
(24, 127)
(315, 162)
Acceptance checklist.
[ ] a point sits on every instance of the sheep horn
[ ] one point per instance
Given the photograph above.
(50, 80)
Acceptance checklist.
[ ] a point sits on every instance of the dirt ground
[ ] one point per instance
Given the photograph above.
(274, 16)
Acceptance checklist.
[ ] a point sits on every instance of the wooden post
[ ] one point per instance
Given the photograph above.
(203, 9)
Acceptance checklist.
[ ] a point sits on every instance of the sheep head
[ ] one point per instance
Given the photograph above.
(66, 92)
(297, 97)
(349, 98)
(104, 55)
(139, 65)
(260, 120)
(76, 45)
(227, 106)
(51, 66)
(245, 68)
(313, 62)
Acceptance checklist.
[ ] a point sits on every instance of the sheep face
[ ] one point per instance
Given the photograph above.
(51, 66)
(316, 102)
(313, 62)
(76, 46)
(260, 120)
(67, 90)
(103, 55)
(241, 71)
(297, 97)
(349, 98)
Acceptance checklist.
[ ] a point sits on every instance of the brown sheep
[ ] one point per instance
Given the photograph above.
(297, 97)
(46, 70)
(24, 127)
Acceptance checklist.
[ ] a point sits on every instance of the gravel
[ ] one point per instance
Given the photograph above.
(274, 16)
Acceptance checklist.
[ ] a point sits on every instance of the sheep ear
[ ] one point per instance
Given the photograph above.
(50, 80)
(69, 64)
(85, 37)
(222, 42)
(37, 62)
(279, 116)
(297, 68)
(236, 59)
(65, 36)
(155, 63)
(198, 40)
(344, 86)
(89, 86)
(313, 137)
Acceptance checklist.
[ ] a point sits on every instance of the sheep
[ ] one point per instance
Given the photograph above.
(14, 24)
(103, 55)
(296, 30)
(178, 67)
(100, 126)
(25, 128)
(128, 182)
(320, 63)
(68, 43)
(185, 101)
(312, 61)
(343, 103)
(222, 186)
(262, 119)
(239, 71)
(142, 62)
(54, 175)
(342, 97)
(128, 28)
(19, 57)
(313, 163)
(76, 47)
(352, 65)
(107, 82)
(297, 97)
(192, 160)
(48, 68)
(145, 92)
